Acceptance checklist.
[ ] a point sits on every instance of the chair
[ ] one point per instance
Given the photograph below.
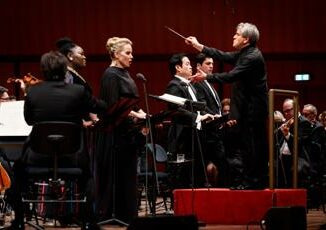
(57, 145)
(146, 176)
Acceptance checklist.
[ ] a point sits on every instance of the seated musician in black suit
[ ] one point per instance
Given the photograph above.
(316, 143)
(286, 141)
(4, 96)
(54, 100)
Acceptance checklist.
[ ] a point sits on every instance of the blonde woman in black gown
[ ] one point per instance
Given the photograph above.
(116, 154)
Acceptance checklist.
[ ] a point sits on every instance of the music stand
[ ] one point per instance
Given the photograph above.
(189, 104)
(152, 120)
(149, 121)
(192, 106)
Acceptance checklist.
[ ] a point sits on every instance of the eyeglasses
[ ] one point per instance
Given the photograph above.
(307, 114)
(287, 110)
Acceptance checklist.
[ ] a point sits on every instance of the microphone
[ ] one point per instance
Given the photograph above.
(141, 77)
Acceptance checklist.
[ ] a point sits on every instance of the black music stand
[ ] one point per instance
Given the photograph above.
(149, 122)
(191, 106)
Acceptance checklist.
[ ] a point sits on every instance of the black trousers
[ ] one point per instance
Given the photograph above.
(248, 154)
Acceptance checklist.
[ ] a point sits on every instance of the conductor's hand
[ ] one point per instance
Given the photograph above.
(199, 76)
(194, 43)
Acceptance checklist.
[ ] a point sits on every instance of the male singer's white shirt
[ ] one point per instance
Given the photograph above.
(193, 97)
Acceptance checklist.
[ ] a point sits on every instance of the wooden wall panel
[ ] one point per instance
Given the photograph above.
(31, 27)
(292, 35)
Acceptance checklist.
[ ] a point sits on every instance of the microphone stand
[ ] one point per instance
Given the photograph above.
(154, 172)
(194, 132)
(113, 216)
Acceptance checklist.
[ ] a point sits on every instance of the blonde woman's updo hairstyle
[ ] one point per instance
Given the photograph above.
(115, 44)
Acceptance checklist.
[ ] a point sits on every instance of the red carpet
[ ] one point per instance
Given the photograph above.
(225, 206)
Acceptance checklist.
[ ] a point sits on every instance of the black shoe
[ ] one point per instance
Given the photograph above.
(254, 187)
(238, 187)
(90, 226)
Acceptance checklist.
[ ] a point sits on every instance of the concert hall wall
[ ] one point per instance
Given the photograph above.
(292, 37)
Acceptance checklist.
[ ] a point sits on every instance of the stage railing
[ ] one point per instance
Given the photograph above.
(295, 96)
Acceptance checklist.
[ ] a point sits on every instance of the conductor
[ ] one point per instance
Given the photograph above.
(248, 159)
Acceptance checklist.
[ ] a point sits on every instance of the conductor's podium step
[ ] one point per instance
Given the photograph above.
(236, 207)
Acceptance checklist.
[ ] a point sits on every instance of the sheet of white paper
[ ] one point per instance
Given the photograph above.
(173, 99)
(12, 122)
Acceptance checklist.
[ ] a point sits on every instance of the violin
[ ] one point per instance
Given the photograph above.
(287, 123)
(28, 80)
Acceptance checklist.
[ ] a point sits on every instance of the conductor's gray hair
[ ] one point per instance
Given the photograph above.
(250, 31)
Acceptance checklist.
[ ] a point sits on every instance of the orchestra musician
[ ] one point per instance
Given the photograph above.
(4, 96)
(53, 100)
(24, 82)
(286, 140)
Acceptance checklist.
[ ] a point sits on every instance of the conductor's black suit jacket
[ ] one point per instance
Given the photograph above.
(249, 78)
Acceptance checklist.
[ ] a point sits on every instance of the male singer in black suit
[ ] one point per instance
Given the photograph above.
(185, 120)
(213, 149)
(54, 100)
(248, 104)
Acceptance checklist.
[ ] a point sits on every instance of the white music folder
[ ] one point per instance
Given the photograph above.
(171, 98)
(12, 121)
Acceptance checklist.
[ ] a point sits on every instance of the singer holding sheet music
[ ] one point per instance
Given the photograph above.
(116, 150)
(185, 120)
(248, 104)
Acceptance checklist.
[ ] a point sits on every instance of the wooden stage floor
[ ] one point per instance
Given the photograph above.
(315, 219)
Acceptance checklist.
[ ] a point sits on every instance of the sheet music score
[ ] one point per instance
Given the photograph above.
(173, 99)
(12, 122)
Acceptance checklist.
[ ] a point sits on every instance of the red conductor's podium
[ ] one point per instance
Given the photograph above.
(225, 206)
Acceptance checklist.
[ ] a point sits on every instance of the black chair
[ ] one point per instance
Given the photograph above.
(147, 180)
(58, 146)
